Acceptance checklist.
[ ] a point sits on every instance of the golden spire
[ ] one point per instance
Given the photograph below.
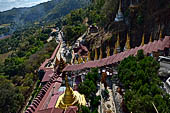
(118, 41)
(115, 49)
(143, 40)
(68, 96)
(95, 57)
(150, 40)
(127, 46)
(101, 54)
(108, 51)
(160, 35)
(89, 56)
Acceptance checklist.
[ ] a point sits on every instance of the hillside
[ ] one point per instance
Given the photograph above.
(45, 11)
(140, 17)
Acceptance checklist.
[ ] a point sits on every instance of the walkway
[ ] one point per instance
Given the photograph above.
(109, 105)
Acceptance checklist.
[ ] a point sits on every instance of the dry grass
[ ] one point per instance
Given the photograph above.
(4, 56)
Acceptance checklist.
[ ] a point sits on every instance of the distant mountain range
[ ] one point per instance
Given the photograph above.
(47, 11)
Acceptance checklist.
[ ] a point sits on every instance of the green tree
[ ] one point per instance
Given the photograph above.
(89, 89)
(139, 76)
(11, 97)
(84, 109)
(13, 66)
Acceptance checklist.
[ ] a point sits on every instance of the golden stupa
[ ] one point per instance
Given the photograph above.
(101, 54)
(143, 40)
(118, 41)
(150, 40)
(70, 97)
(160, 35)
(108, 51)
(127, 45)
(117, 45)
(115, 49)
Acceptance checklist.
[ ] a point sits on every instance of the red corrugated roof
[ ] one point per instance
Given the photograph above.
(72, 109)
(54, 99)
(51, 110)
(44, 97)
(48, 75)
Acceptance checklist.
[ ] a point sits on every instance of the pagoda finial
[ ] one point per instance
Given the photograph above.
(119, 15)
(150, 40)
(120, 5)
(101, 54)
(143, 40)
(66, 81)
(108, 51)
(127, 46)
(95, 57)
(89, 56)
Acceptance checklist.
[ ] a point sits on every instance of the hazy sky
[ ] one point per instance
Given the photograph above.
(9, 4)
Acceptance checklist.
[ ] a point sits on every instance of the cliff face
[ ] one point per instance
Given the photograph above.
(140, 17)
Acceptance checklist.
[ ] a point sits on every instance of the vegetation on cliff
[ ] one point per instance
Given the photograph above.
(148, 17)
